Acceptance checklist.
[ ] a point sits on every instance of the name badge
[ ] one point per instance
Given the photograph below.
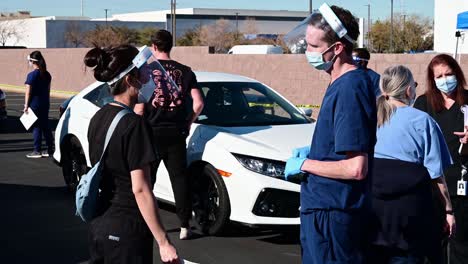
(461, 188)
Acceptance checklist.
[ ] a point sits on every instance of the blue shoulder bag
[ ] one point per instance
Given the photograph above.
(87, 191)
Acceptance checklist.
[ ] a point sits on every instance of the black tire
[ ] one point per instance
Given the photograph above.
(211, 205)
(73, 163)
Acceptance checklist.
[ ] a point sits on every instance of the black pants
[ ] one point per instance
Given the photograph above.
(388, 255)
(172, 150)
(120, 236)
(458, 245)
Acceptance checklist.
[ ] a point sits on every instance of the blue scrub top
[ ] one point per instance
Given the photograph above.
(412, 135)
(40, 90)
(347, 123)
(375, 79)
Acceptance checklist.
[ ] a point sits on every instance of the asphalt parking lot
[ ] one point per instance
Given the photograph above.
(38, 225)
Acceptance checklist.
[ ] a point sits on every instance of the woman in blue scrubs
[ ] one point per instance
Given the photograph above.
(37, 98)
(410, 157)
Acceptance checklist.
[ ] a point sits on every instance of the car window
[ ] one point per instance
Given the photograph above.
(100, 95)
(245, 104)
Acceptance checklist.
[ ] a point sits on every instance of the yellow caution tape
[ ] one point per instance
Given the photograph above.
(264, 105)
(308, 106)
(23, 88)
(273, 105)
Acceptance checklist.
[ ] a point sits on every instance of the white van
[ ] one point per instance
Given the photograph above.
(256, 49)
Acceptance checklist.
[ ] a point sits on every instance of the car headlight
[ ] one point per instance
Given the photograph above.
(272, 168)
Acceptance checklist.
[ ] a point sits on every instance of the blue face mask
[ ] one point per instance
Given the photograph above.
(446, 85)
(316, 60)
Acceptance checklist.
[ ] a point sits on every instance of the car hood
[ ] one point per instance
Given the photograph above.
(270, 142)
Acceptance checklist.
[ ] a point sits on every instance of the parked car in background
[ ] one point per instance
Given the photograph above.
(3, 112)
(256, 49)
(236, 150)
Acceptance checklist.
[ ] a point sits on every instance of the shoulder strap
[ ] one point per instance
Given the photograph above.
(112, 127)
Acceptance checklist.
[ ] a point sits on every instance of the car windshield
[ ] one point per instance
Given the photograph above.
(233, 104)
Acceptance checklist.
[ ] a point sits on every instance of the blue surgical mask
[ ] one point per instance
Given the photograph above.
(316, 60)
(446, 85)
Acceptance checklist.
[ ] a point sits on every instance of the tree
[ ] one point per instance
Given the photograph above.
(144, 35)
(74, 34)
(103, 36)
(380, 36)
(190, 38)
(410, 33)
(10, 30)
(220, 35)
(126, 35)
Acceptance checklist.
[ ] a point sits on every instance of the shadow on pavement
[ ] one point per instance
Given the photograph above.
(12, 125)
(275, 234)
(38, 225)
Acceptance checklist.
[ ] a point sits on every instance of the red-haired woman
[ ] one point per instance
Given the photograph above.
(444, 96)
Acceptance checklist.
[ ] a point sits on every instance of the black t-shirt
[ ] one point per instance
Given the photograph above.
(171, 107)
(130, 148)
(449, 120)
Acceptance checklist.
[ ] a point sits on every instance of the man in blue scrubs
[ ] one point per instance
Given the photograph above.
(334, 195)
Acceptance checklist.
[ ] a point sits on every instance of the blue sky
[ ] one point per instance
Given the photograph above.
(380, 9)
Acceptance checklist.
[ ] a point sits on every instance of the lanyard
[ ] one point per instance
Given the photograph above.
(123, 105)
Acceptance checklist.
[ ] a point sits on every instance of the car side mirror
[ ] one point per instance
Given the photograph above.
(306, 111)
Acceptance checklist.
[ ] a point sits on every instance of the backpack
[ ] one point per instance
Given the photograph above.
(87, 192)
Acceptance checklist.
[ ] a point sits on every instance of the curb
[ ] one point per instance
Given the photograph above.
(21, 89)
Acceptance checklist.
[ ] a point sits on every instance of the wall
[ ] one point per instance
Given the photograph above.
(289, 74)
(445, 23)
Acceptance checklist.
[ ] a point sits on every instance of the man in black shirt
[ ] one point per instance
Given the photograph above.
(171, 113)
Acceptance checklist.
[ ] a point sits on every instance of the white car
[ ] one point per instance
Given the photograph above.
(236, 151)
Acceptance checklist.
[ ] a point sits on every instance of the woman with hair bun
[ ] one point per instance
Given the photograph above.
(37, 98)
(409, 160)
(128, 218)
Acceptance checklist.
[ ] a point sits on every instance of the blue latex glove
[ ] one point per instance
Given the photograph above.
(293, 166)
(301, 152)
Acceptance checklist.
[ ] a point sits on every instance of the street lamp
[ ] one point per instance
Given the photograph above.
(106, 9)
(391, 26)
(237, 25)
(368, 25)
(310, 7)
(173, 21)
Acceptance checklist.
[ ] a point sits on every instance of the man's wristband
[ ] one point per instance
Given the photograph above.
(449, 212)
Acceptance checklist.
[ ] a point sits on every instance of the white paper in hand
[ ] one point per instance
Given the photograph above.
(28, 119)
(184, 261)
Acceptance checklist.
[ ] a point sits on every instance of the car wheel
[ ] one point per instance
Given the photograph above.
(211, 206)
(74, 164)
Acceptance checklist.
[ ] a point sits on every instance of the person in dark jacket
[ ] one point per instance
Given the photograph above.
(410, 158)
(444, 96)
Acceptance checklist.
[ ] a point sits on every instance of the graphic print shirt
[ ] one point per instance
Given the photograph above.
(171, 106)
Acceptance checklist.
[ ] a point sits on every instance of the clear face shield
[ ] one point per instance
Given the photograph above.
(152, 75)
(325, 17)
